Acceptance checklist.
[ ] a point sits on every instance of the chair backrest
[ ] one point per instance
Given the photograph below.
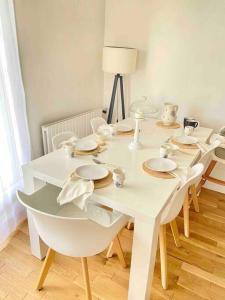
(219, 152)
(96, 123)
(207, 156)
(69, 230)
(60, 137)
(175, 204)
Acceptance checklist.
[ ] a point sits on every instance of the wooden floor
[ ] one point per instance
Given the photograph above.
(196, 270)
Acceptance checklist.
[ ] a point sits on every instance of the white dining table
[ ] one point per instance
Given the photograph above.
(143, 196)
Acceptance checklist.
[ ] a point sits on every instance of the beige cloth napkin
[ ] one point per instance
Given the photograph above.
(76, 190)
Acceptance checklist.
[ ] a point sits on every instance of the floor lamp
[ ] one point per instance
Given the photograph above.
(119, 61)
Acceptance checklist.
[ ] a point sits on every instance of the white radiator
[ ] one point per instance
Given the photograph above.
(79, 124)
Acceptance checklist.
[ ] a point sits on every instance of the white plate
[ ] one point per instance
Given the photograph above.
(124, 128)
(161, 164)
(83, 145)
(92, 172)
(186, 140)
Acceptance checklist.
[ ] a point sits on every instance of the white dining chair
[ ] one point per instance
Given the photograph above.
(96, 123)
(195, 187)
(169, 215)
(217, 155)
(70, 231)
(61, 137)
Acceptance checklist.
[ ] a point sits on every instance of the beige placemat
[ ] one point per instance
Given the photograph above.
(162, 175)
(184, 146)
(173, 126)
(131, 132)
(92, 152)
(101, 183)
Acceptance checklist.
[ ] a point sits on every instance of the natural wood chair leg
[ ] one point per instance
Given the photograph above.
(175, 232)
(194, 197)
(86, 278)
(45, 268)
(163, 255)
(210, 168)
(110, 251)
(206, 175)
(130, 226)
(115, 247)
(186, 216)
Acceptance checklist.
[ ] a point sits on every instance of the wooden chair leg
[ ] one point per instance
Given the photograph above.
(194, 197)
(115, 247)
(130, 226)
(86, 278)
(45, 268)
(186, 216)
(206, 175)
(110, 251)
(173, 225)
(163, 255)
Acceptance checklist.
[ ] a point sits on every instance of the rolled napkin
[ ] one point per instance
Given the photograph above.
(76, 190)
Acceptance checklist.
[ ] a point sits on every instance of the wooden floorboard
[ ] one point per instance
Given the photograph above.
(195, 271)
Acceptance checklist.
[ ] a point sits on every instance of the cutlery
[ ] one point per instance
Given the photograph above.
(102, 163)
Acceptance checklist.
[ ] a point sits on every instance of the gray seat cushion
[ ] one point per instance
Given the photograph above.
(220, 152)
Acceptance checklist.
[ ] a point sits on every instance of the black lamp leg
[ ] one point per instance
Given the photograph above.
(109, 119)
(122, 96)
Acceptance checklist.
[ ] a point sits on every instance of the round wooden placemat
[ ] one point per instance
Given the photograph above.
(92, 152)
(162, 175)
(101, 183)
(184, 146)
(131, 132)
(173, 126)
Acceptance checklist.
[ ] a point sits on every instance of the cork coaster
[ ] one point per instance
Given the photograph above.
(92, 152)
(184, 146)
(101, 183)
(163, 175)
(131, 132)
(173, 126)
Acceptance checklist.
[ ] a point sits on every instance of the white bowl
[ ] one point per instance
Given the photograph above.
(92, 172)
(86, 145)
(161, 164)
(186, 140)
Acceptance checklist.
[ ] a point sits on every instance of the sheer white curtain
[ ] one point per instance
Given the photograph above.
(14, 136)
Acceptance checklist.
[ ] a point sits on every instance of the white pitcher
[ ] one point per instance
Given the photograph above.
(169, 115)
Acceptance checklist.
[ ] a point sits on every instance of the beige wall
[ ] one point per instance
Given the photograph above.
(181, 53)
(60, 43)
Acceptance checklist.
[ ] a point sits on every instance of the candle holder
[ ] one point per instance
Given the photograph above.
(142, 109)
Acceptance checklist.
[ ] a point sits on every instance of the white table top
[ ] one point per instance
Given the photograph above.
(142, 196)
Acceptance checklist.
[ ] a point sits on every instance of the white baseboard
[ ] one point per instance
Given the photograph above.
(215, 187)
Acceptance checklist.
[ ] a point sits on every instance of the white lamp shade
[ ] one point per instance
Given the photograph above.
(119, 60)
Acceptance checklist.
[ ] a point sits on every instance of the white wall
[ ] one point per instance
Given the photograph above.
(181, 54)
(60, 43)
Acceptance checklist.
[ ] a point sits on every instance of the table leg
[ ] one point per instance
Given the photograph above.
(38, 248)
(144, 248)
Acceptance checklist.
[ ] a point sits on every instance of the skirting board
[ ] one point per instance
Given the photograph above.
(215, 187)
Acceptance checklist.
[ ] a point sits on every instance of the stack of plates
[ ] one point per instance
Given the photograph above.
(124, 128)
(86, 146)
(186, 140)
(92, 172)
(161, 165)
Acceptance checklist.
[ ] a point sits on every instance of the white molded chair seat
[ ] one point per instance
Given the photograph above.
(61, 137)
(96, 123)
(70, 231)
